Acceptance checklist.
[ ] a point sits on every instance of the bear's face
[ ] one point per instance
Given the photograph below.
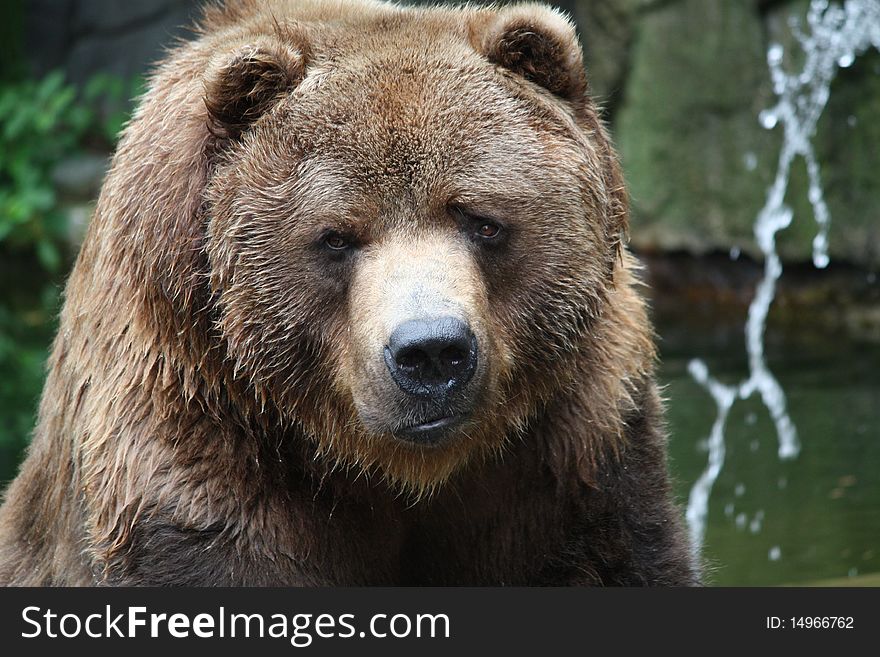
(406, 248)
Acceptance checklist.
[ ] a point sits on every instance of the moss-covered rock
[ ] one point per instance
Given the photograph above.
(697, 161)
(847, 146)
(606, 29)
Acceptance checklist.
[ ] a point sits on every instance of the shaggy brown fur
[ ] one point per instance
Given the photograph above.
(217, 410)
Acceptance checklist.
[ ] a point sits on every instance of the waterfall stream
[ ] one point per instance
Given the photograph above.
(833, 37)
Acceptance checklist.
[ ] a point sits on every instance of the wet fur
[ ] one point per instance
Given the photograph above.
(197, 428)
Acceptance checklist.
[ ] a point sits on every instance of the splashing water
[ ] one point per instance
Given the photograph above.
(835, 36)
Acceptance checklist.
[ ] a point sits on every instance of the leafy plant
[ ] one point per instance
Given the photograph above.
(41, 123)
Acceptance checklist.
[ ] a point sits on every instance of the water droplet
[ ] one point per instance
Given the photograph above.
(735, 253)
(775, 553)
(774, 54)
(853, 572)
(739, 490)
(821, 260)
(751, 418)
(741, 519)
(852, 121)
(754, 445)
(698, 370)
(728, 509)
(788, 449)
(750, 160)
(846, 60)
(768, 119)
(755, 525)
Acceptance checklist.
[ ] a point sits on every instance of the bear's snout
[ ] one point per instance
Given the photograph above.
(432, 359)
(422, 350)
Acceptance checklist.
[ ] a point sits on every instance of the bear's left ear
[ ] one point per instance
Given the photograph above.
(245, 83)
(539, 44)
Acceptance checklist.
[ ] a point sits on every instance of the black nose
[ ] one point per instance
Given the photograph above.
(431, 358)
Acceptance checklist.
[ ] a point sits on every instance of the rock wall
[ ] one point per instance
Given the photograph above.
(85, 37)
(697, 160)
(680, 81)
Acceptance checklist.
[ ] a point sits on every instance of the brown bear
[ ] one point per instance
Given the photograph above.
(354, 310)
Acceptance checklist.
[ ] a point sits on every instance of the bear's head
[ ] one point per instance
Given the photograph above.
(411, 222)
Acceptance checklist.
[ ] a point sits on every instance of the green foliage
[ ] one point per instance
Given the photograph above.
(41, 123)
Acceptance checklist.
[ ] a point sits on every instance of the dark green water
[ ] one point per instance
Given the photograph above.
(769, 522)
(773, 522)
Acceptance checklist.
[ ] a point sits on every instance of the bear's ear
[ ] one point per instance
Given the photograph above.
(539, 44)
(244, 84)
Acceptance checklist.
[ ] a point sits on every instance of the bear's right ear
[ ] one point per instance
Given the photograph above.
(243, 85)
(539, 44)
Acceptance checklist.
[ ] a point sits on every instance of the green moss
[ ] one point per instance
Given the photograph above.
(697, 162)
(848, 148)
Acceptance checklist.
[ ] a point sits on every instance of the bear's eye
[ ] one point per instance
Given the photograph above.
(479, 226)
(337, 242)
(488, 230)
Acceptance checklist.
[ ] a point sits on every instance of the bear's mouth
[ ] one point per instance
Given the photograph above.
(430, 432)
